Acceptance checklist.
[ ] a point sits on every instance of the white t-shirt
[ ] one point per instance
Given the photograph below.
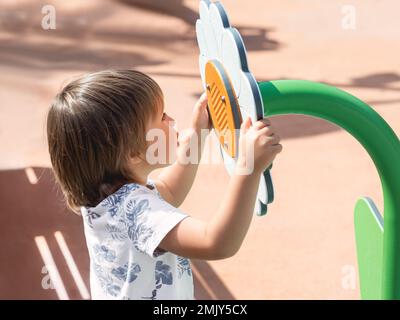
(122, 234)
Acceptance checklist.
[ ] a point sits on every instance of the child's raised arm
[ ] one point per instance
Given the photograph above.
(175, 181)
(222, 236)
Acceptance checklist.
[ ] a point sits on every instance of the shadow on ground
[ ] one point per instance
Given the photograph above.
(81, 41)
(255, 38)
(32, 210)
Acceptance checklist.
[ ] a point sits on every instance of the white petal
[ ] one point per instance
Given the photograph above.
(262, 194)
(231, 59)
(201, 39)
(212, 51)
(249, 98)
(260, 208)
(270, 188)
(203, 9)
(202, 66)
(229, 162)
(219, 21)
(217, 40)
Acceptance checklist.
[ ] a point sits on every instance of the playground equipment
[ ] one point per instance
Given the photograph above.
(234, 94)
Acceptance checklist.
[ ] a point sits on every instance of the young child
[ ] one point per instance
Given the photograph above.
(139, 242)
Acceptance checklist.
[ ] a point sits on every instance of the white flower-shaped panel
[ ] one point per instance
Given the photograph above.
(218, 40)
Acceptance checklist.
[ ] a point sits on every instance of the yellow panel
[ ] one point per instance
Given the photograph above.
(222, 102)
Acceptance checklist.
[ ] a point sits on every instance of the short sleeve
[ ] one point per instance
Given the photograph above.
(150, 218)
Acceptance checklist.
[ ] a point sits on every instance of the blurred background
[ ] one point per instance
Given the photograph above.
(304, 248)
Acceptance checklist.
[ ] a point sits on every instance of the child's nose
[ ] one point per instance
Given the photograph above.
(171, 121)
(170, 118)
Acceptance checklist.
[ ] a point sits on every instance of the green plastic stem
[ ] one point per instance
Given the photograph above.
(371, 130)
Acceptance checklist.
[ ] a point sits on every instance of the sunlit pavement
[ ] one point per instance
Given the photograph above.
(304, 248)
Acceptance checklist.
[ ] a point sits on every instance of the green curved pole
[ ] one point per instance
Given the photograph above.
(382, 144)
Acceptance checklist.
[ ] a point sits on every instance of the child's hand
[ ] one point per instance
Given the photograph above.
(258, 145)
(200, 117)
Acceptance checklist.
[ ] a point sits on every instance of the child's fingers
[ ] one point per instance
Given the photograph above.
(203, 96)
(246, 124)
(202, 102)
(277, 148)
(274, 139)
(262, 123)
(266, 132)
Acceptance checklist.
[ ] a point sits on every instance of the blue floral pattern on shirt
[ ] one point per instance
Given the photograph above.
(113, 202)
(106, 281)
(184, 267)
(163, 275)
(123, 220)
(103, 253)
(127, 274)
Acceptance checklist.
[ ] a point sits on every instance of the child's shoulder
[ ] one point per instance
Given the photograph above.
(125, 198)
(131, 193)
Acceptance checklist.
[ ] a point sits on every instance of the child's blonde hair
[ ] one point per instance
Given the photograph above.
(94, 124)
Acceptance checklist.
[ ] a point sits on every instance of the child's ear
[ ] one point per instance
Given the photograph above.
(135, 158)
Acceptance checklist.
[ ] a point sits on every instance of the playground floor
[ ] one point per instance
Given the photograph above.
(304, 248)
